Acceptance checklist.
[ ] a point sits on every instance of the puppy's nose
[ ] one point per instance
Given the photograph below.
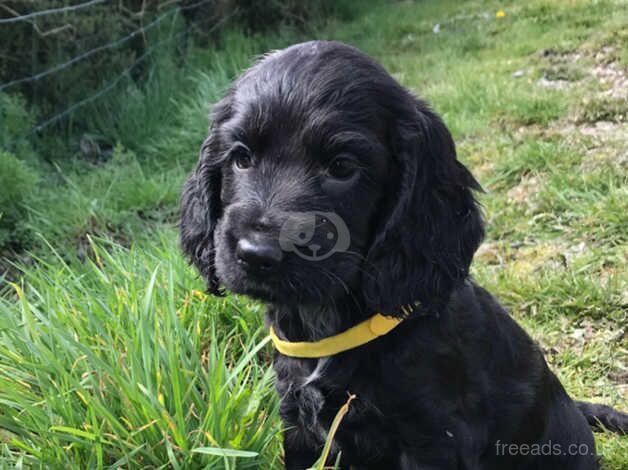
(259, 254)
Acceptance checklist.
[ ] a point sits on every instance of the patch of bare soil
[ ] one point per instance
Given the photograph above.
(531, 256)
(525, 192)
(599, 124)
(610, 74)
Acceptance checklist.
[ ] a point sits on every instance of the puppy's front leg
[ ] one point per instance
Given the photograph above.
(407, 461)
(298, 456)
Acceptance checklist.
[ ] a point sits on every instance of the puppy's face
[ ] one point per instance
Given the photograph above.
(301, 182)
(322, 177)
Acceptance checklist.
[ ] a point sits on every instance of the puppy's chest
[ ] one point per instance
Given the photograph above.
(312, 396)
(305, 394)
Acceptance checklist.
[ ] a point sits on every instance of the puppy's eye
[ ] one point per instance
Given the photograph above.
(241, 158)
(342, 168)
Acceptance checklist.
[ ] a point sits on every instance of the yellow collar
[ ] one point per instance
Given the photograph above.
(362, 333)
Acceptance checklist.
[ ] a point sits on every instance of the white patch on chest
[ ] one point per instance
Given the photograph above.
(317, 372)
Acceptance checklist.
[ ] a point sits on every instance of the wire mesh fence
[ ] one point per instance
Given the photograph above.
(77, 53)
(65, 61)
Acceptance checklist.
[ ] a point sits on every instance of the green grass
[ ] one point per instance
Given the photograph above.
(124, 370)
(111, 356)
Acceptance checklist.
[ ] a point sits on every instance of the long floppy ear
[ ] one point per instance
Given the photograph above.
(430, 226)
(201, 206)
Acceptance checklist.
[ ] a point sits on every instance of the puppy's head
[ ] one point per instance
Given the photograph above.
(321, 178)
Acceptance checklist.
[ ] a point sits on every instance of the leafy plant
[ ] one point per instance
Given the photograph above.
(18, 183)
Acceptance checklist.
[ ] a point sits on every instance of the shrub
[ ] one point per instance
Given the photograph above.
(15, 126)
(17, 182)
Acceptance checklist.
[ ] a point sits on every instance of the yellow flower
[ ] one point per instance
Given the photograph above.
(500, 14)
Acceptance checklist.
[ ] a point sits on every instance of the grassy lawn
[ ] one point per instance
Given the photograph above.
(111, 355)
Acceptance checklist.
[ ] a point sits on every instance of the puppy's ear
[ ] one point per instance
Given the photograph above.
(430, 226)
(201, 206)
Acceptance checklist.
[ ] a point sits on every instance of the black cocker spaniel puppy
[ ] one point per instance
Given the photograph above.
(331, 193)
